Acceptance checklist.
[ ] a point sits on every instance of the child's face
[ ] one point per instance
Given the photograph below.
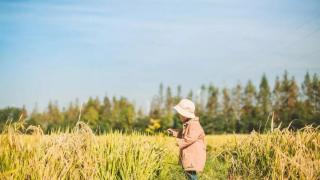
(182, 118)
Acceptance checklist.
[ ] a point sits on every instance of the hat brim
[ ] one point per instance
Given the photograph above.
(183, 112)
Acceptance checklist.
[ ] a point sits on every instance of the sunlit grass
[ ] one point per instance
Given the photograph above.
(80, 154)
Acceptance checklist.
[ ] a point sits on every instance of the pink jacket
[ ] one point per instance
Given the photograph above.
(192, 146)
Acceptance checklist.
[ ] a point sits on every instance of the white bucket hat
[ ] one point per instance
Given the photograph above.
(185, 108)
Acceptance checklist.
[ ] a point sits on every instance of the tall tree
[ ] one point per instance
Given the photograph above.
(249, 95)
(307, 90)
(316, 93)
(277, 101)
(71, 114)
(227, 110)
(285, 85)
(127, 114)
(248, 109)
(264, 98)
(212, 102)
(202, 99)
(178, 96)
(293, 94)
(169, 100)
(190, 95)
(105, 114)
(91, 112)
(167, 119)
(237, 105)
(161, 97)
(53, 114)
(11, 114)
(209, 119)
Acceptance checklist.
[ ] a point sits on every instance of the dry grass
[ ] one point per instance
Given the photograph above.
(282, 154)
(26, 153)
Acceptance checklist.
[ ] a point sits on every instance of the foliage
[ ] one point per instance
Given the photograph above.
(239, 109)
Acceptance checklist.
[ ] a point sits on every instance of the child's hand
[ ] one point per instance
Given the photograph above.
(172, 132)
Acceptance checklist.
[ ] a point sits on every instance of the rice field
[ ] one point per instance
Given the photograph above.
(26, 153)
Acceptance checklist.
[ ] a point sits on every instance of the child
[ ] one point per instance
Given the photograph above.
(190, 140)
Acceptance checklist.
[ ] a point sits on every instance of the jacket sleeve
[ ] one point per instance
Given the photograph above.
(192, 135)
(179, 134)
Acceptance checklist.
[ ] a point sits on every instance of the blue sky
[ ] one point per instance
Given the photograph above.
(63, 50)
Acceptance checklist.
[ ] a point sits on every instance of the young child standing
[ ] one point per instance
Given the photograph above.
(190, 140)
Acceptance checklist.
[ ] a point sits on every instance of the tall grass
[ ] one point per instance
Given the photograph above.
(26, 153)
(281, 154)
(77, 155)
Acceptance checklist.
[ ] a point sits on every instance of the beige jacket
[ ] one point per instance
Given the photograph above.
(192, 146)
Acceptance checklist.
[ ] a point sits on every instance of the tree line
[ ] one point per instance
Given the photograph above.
(239, 109)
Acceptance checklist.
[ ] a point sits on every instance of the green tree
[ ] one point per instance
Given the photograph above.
(237, 123)
(127, 114)
(105, 114)
(294, 105)
(316, 93)
(91, 112)
(71, 115)
(12, 114)
(209, 120)
(264, 98)
(53, 116)
(248, 110)
(202, 101)
(227, 110)
(167, 119)
(157, 103)
(190, 95)
(212, 102)
(178, 96)
(277, 101)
